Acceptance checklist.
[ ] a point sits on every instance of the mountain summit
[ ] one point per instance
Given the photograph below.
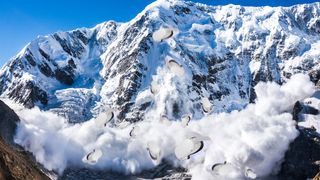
(212, 85)
(224, 50)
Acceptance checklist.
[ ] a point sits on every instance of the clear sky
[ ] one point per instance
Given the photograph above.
(23, 20)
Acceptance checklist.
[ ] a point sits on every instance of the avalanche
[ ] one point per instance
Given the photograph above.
(247, 143)
(174, 85)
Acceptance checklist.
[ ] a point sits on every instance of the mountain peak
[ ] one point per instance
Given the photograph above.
(113, 64)
(178, 72)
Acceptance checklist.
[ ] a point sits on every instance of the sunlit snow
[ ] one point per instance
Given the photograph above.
(255, 138)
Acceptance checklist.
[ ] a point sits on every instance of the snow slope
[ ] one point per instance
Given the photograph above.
(175, 59)
(224, 51)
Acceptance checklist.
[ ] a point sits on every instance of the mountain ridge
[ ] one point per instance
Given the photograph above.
(177, 62)
(64, 59)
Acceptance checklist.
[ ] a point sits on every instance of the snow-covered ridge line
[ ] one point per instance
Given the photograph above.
(224, 52)
(178, 72)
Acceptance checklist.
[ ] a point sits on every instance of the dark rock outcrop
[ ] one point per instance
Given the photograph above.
(15, 164)
(302, 160)
(8, 123)
(300, 108)
(297, 108)
(225, 67)
(28, 94)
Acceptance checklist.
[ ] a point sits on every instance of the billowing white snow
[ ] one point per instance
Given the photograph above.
(255, 138)
(233, 39)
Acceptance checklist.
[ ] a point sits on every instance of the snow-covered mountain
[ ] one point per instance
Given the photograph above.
(224, 50)
(164, 80)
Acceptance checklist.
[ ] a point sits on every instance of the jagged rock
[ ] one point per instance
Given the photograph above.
(300, 160)
(28, 94)
(122, 63)
(17, 164)
(300, 108)
(8, 123)
(65, 76)
(223, 56)
(226, 56)
(30, 58)
(14, 162)
(297, 108)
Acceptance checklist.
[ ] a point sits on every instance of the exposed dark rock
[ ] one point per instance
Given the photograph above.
(297, 108)
(181, 10)
(144, 106)
(18, 165)
(314, 76)
(16, 64)
(315, 27)
(15, 164)
(301, 159)
(63, 44)
(198, 79)
(78, 34)
(74, 49)
(65, 76)
(125, 108)
(8, 123)
(218, 72)
(175, 109)
(28, 94)
(310, 110)
(46, 70)
(44, 54)
(72, 64)
(300, 108)
(125, 93)
(165, 170)
(30, 58)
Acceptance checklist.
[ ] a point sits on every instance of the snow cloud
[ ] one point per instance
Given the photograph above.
(251, 141)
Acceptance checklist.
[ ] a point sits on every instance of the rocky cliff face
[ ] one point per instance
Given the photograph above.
(225, 51)
(57, 71)
(14, 162)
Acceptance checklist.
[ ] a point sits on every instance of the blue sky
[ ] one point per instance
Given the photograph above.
(23, 20)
